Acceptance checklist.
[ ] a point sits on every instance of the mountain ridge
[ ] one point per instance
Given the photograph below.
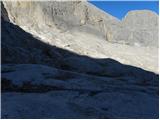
(107, 26)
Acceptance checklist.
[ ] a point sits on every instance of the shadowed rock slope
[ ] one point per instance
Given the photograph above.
(73, 85)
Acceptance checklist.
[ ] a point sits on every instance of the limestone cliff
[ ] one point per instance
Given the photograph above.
(137, 28)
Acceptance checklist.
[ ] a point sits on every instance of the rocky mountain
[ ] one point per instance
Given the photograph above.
(140, 27)
(82, 28)
(72, 60)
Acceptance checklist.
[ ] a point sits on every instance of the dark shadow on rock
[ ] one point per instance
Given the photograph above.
(20, 47)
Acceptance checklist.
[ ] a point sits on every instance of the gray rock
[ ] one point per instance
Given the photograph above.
(139, 28)
(83, 64)
(38, 91)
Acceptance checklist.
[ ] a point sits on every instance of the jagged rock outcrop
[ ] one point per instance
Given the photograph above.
(139, 27)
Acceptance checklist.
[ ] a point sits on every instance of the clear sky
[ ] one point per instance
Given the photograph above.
(120, 8)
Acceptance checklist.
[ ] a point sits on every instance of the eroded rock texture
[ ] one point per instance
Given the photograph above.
(137, 28)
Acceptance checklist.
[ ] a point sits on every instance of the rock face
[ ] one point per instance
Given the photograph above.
(82, 28)
(61, 15)
(140, 27)
(44, 92)
(71, 60)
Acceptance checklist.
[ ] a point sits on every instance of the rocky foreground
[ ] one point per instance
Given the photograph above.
(62, 61)
(37, 91)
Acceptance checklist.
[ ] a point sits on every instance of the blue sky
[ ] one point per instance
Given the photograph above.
(120, 8)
